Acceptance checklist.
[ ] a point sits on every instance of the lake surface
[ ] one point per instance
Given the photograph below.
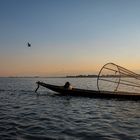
(26, 116)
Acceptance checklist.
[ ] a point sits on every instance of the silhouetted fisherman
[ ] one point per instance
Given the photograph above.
(67, 85)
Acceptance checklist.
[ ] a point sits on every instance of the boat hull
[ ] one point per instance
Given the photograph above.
(90, 93)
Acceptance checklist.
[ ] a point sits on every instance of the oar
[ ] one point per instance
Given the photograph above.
(37, 87)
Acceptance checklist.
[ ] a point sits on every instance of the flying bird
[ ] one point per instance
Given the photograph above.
(29, 44)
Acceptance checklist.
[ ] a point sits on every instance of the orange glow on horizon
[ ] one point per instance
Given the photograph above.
(49, 70)
(33, 65)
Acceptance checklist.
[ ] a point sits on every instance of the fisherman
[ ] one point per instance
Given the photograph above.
(67, 85)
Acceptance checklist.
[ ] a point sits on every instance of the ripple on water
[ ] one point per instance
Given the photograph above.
(25, 116)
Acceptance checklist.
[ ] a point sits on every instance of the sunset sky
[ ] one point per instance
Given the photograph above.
(68, 37)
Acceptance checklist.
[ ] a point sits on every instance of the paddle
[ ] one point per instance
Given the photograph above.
(37, 87)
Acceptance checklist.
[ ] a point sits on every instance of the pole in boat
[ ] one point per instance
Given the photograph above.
(37, 86)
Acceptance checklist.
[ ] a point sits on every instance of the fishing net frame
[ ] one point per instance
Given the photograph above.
(118, 78)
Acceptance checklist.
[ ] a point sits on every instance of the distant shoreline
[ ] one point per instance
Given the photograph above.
(68, 76)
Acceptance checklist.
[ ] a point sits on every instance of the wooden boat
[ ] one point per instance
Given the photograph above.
(90, 93)
(113, 81)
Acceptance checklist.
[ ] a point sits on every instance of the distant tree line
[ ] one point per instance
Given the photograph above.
(81, 76)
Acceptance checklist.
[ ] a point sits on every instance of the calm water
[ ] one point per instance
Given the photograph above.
(25, 116)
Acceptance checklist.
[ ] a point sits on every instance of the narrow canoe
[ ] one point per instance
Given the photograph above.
(90, 93)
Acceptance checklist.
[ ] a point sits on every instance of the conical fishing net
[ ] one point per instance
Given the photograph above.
(115, 78)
